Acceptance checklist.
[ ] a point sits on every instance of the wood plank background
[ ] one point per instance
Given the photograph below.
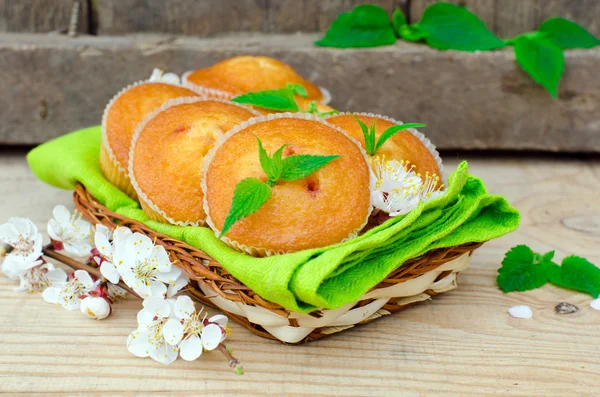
(210, 17)
(462, 343)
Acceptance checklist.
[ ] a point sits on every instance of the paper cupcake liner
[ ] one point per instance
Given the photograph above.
(155, 212)
(115, 174)
(258, 251)
(424, 140)
(106, 144)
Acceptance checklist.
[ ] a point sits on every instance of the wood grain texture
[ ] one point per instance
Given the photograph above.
(462, 343)
(210, 17)
(40, 16)
(508, 18)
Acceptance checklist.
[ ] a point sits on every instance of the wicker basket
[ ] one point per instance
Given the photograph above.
(417, 280)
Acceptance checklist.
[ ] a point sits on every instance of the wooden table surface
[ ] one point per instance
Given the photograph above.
(463, 343)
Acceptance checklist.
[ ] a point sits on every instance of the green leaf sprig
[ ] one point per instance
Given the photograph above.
(251, 194)
(281, 99)
(448, 26)
(523, 270)
(372, 144)
(312, 109)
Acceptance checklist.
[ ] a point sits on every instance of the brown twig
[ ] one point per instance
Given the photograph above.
(49, 251)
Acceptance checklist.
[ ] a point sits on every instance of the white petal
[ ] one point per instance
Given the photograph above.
(102, 244)
(156, 290)
(595, 304)
(24, 285)
(84, 278)
(211, 336)
(120, 234)
(170, 78)
(57, 276)
(165, 354)
(142, 246)
(170, 276)
(219, 319)
(173, 331)
(9, 234)
(521, 311)
(100, 228)
(145, 317)
(11, 267)
(184, 307)
(156, 75)
(62, 215)
(95, 307)
(124, 252)
(175, 287)
(109, 271)
(78, 248)
(160, 255)
(50, 294)
(138, 343)
(24, 226)
(157, 306)
(191, 348)
(54, 230)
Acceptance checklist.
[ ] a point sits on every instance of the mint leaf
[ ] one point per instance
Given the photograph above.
(398, 19)
(393, 130)
(541, 59)
(249, 195)
(579, 274)
(297, 89)
(313, 109)
(303, 165)
(447, 26)
(567, 34)
(365, 26)
(270, 165)
(281, 99)
(367, 136)
(522, 270)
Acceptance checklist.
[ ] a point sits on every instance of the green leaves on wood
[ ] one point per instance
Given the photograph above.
(567, 34)
(372, 144)
(365, 26)
(447, 26)
(523, 270)
(251, 194)
(541, 59)
(281, 99)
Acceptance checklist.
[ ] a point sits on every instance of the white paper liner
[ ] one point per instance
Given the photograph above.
(257, 251)
(105, 141)
(138, 130)
(424, 140)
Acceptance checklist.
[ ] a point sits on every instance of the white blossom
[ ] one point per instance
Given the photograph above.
(38, 278)
(70, 231)
(148, 340)
(25, 241)
(95, 307)
(103, 253)
(191, 331)
(144, 266)
(160, 76)
(69, 295)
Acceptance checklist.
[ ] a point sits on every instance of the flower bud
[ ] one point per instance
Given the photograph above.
(95, 307)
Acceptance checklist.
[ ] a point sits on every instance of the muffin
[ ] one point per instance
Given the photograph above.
(121, 116)
(244, 74)
(329, 206)
(407, 145)
(166, 155)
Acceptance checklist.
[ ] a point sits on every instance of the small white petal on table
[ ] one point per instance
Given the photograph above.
(595, 304)
(521, 311)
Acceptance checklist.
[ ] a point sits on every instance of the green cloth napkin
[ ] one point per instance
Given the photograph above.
(327, 277)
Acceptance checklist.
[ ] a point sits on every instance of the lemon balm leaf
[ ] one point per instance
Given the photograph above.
(281, 99)
(249, 195)
(393, 130)
(303, 165)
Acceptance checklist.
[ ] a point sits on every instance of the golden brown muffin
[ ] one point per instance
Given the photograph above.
(402, 146)
(243, 74)
(329, 206)
(167, 153)
(121, 116)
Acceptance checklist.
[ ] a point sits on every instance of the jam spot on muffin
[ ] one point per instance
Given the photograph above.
(182, 128)
(312, 186)
(289, 151)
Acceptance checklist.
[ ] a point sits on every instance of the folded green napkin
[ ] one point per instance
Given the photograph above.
(327, 277)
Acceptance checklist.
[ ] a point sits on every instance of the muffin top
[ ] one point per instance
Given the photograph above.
(167, 153)
(128, 109)
(404, 145)
(243, 74)
(327, 207)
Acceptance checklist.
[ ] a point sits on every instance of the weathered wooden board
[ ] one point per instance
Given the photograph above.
(469, 101)
(462, 343)
(209, 17)
(510, 17)
(41, 16)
